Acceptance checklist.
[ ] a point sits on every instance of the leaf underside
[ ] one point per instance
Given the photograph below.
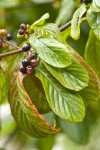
(76, 21)
(25, 113)
(36, 93)
(93, 50)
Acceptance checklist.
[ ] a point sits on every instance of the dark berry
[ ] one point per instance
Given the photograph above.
(23, 70)
(25, 62)
(9, 36)
(1, 45)
(33, 56)
(87, 1)
(30, 70)
(23, 26)
(26, 47)
(21, 31)
(34, 63)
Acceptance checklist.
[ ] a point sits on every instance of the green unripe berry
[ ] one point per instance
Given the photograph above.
(20, 36)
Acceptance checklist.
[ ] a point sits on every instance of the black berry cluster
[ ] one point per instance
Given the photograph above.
(29, 64)
(86, 1)
(23, 29)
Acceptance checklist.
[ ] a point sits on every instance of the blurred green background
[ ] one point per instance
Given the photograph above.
(73, 136)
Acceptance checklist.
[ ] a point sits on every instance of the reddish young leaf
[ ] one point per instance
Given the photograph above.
(25, 113)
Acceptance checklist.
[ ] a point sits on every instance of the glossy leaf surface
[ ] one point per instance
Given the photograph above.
(96, 5)
(40, 21)
(66, 104)
(73, 77)
(51, 51)
(93, 19)
(50, 30)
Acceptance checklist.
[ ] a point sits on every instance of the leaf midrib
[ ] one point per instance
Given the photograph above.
(55, 52)
(53, 84)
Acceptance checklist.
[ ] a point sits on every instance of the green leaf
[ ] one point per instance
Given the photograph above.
(41, 21)
(3, 87)
(52, 30)
(92, 91)
(25, 113)
(50, 118)
(49, 30)
(51, 51)
(41, 144)
(93, 19)
(78, 132)
(76, 21)
(96, 5)
(92, 52)
(73, 77)
(11, 64)
(36, 93)
(68, 105)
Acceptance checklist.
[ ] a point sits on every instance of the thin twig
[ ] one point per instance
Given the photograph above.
(65, 26)
(62, 28)
(11, 53)
(4, 41)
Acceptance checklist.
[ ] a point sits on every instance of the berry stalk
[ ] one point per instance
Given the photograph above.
(11, 53)
(26, 46)
(4, 41)
(65, 26)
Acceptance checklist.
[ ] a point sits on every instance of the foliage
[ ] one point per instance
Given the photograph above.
(63, 94)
